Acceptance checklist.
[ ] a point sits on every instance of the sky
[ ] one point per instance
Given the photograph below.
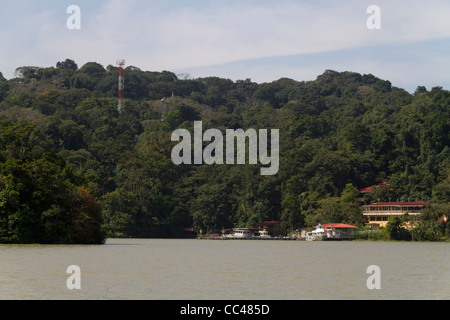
(260, 40)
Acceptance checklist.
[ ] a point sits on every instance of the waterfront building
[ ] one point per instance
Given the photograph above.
(377, 214)
(340, 231)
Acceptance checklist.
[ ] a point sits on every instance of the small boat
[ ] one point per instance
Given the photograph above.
(319, 234)
(263, 234)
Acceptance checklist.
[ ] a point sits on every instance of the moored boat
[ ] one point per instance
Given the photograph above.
(319, 234)
(264, 234)
(240, 233)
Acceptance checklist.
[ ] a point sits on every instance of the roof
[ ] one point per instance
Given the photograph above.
(369, 189)
(399, 204)
(338, 225)
(365, 190)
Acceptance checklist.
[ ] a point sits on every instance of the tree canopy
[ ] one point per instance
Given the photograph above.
(74, 170)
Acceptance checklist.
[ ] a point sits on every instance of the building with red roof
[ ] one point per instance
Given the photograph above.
(377, 214)
(379, 186)
(384, 186)
(340, 231)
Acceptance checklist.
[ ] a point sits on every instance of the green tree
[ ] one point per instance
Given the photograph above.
(396, 228)
(343, 209)
(428, 230)
(41, 199)
(120, 213)
(291, 216)
(67, 64)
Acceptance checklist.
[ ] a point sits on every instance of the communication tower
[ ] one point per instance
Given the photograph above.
(121, 63)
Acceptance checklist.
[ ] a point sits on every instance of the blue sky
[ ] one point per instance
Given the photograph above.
(258, 39)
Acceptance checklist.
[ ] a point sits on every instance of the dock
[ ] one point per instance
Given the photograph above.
(249, 238)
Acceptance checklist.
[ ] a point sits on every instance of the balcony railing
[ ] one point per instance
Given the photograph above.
(388, 212)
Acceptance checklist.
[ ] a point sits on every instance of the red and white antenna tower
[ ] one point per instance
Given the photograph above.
(121, 63)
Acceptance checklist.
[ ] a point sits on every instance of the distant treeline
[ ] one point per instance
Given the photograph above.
(74, 170)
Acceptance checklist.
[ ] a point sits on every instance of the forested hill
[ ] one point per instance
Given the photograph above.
(70, 162)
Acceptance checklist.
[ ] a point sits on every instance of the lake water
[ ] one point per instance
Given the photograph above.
(150, 269)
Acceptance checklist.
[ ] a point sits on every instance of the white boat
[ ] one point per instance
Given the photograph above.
(319, 234)
(240, 233)
(264, 234)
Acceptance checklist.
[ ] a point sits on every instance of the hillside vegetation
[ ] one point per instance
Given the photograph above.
(74, 170)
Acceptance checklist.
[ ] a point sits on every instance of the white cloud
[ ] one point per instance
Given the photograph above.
(214, 35)
(174, 35)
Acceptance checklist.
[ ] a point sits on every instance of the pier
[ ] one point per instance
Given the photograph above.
(247, 238)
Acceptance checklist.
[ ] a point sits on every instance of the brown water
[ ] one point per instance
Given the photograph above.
(223, 270)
